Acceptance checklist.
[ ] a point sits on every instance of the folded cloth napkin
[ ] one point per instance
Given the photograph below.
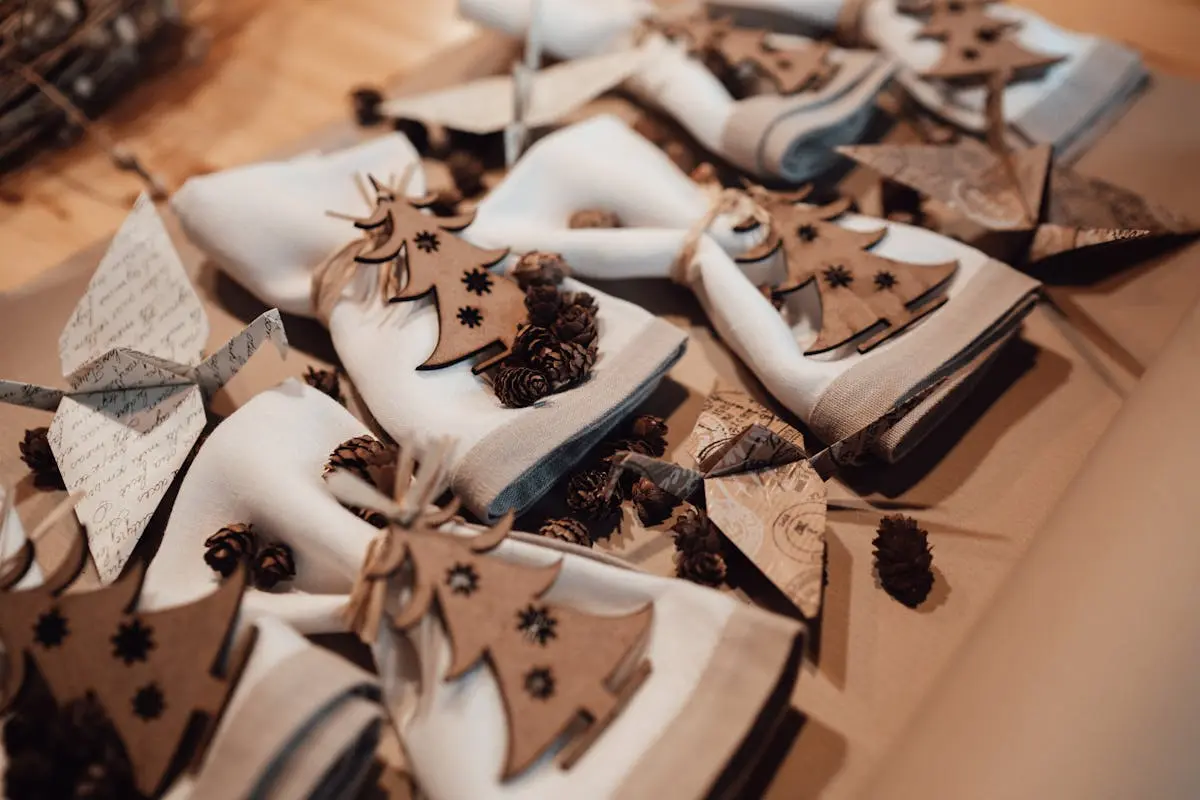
(302, 723)
(783, 137)
(265, 225)
(1067, 107)
(600, 163)
(720, 669)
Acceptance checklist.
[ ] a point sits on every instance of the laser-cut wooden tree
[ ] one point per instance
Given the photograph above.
(560, 671)
(978, 47)
(861, 293)
(790, 70)
(151, 671)
(477, 310)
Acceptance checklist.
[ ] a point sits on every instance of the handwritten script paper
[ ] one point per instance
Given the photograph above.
(131, 353)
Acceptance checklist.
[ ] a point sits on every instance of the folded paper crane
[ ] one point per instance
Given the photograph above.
(760, 488)
(1022, 191)
(132, 355)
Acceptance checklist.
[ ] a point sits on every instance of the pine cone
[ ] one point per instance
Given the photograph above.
(705, 568)
(467, 172)
(542, 301)
(517, 387)
(903, 560)
(367, 100)
(582, 300)
(566, 365)
(273, 563)
(37, 455)
(530, 343)
(611, 447)
(567, 529)
(575, 324)
(537, 268)
(652, 431)
(228, 546)
(594, 218)
(325, 381)
(585, 495)
(695, 533)
(373, 461)
(653, 505)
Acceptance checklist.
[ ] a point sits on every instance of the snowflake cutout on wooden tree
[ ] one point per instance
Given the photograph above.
(133, 641)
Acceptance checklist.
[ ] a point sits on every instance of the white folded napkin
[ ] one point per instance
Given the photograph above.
(718, 666)
(266, 226)
(302, 723)
(600, 163)
(1069, 105)
(783, 137)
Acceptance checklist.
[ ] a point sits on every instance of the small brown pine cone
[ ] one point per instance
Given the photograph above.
(467, 172)
(566, 365)
(594, 218)
(582, 300)
(567, 529)
(367, 457)
(652, 431)
(653, 505)
(585, 495)
(903, 560)
(537, 268)
(37, 455)
(517, 387)
(228, 546)
(529, 344)
(575, 324)
(695, 533)
(705, 568)
(367, 101)
(373, 461)
(542, 300)
(325, 381)
(273, 564)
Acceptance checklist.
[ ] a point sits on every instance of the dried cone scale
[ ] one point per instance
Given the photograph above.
(567, 529)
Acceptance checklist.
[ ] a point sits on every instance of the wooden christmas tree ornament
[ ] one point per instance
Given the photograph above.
(157, 674)
(977, 45)
(862, 294)
(477, 310)
(561, 672)
(790, 70)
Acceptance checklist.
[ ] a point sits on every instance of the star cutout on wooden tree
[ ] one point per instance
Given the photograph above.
(537, 623)
(478, 281)
(148, 702)
(426, 241)
(539, 682)
(462, 579)
(51, 629)
(133, 641)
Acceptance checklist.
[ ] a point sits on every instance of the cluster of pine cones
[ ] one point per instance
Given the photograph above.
(557, 348)
(63, 753)
(587, 500)
(270, 564)
(373, 461)
(698, 549)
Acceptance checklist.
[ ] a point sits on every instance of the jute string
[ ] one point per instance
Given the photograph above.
(334, 274)
(725, 201)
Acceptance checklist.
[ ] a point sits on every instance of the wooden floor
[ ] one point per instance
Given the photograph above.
(277, 69)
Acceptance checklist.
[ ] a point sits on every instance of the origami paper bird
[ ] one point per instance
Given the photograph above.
(1022, 191)
(131, 353)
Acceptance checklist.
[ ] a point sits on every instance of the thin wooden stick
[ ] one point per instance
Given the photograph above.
(121, 157)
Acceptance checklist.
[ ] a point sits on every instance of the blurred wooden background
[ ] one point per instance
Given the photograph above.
(277, 69)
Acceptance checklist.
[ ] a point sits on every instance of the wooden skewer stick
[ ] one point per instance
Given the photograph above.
(121, 157)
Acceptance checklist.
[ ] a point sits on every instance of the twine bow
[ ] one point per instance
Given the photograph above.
(404, 512)
(724, 201)
(334, 274)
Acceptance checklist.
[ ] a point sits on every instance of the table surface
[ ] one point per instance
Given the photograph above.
(276, 71)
